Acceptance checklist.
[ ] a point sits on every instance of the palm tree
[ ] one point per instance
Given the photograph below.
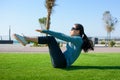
(110, 23)
(49, 6)
(42, 22)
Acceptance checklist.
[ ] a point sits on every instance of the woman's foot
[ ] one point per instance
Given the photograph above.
(20, 39)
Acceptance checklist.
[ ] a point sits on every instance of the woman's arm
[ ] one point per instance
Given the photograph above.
(58, 35)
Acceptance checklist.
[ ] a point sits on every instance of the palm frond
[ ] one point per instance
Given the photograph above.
(50, 4)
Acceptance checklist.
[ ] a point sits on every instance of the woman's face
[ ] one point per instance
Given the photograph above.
(74, 31)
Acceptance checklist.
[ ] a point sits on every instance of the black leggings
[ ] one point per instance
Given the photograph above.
(57, 57)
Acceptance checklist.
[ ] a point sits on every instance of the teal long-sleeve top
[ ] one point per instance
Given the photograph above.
(73, 46)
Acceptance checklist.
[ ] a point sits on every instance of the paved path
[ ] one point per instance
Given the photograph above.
(20, 48)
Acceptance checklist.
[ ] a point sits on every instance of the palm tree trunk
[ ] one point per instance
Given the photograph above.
(110, 36)
(48, 21)
(107, 40)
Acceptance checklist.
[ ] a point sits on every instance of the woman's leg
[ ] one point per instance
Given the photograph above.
(31, 39)
(57, 57)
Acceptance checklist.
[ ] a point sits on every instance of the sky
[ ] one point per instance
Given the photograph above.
(22, 16)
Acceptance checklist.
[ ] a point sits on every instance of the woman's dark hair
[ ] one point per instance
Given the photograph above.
(87, 43)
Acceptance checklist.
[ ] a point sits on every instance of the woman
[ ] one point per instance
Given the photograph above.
(75, 43)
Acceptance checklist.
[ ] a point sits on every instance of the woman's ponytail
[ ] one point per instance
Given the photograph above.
(87, 43)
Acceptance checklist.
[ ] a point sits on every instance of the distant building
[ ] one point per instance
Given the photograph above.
(94, 39)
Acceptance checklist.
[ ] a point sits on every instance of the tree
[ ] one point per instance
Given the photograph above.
(49, 6)
(110, 23)
(42, 22)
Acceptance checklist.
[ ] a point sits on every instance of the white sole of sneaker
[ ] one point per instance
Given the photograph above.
(18, 40)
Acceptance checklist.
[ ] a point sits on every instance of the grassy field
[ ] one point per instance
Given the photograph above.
(90, 66)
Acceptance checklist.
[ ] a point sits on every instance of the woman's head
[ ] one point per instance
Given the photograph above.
(78, 29)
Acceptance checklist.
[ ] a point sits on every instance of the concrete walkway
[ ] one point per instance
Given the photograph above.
(20, 48)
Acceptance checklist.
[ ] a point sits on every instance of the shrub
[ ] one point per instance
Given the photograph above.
(112, 43)
(102, 42)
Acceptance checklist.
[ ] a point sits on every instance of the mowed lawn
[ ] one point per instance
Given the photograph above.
(33, 66)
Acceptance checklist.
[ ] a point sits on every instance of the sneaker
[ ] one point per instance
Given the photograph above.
(20, 39)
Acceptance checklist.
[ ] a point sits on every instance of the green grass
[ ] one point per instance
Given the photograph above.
(22, 66)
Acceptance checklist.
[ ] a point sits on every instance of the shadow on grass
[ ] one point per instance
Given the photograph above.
(92, 67)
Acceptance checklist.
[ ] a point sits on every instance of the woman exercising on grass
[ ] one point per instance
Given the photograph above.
(76, 42)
